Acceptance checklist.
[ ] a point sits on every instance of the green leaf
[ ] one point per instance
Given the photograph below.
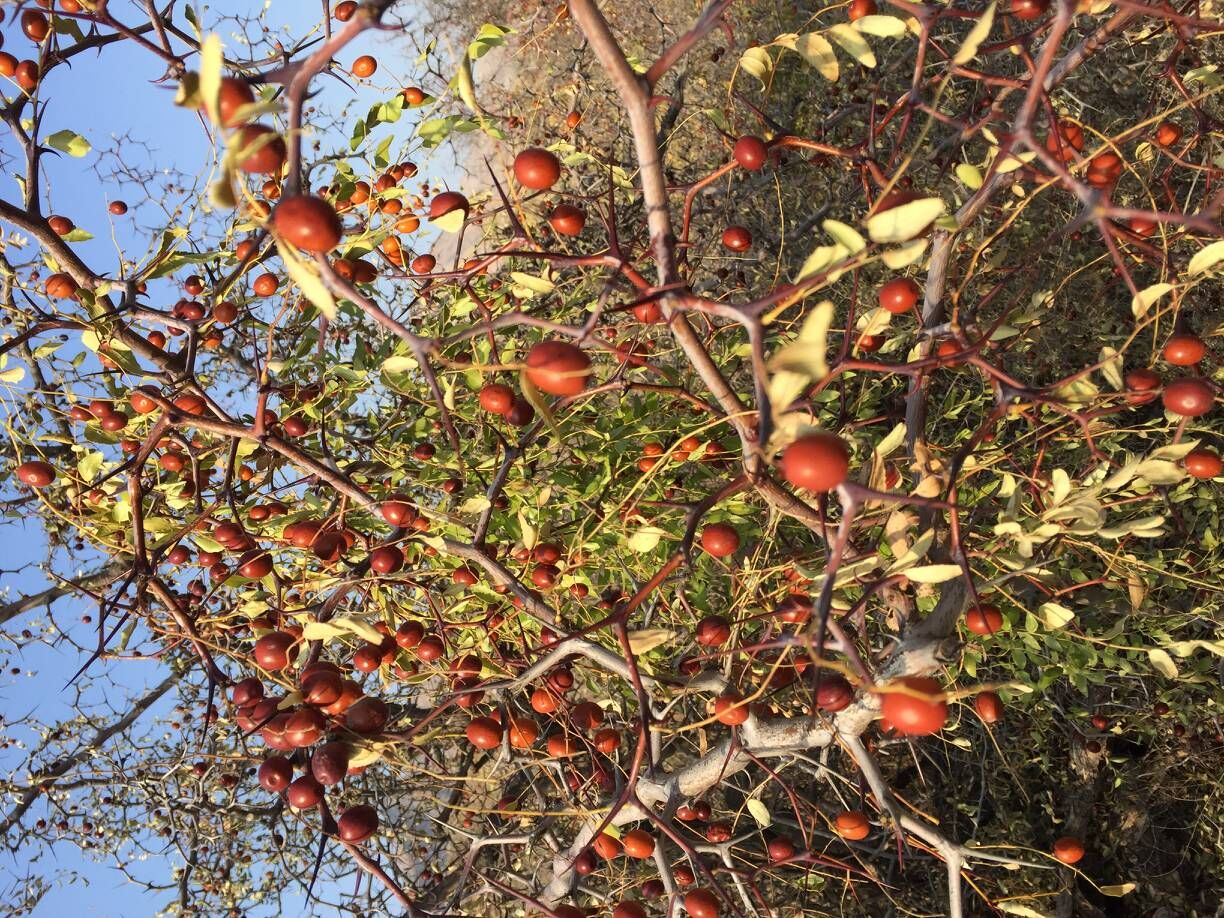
(488, 37)
(853, 43)
(968, 51)
(903, 223)
(69, 142)
(845, 236)
(646, 539)
(817, 51)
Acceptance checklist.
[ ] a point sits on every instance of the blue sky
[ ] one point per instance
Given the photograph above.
(105, 99)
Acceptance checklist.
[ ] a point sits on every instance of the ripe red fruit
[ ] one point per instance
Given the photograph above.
(638, 843)
(447, 202)
(816, 461)
(322, 687)
(255, 564)
(750, 152)
(413, 95)
(523, 732)
(398, 511)
(899, 295)
(561, 746)
(729, 709)
(305, 792)
(607, 741)
(366, 716)
(984, 619)
(701, 903)
(737, 238)
(558, 368)
(386, 560)
(780, 849)
(1027, 10)
(35, 473)
(543, 701)
(62, 226)
(423, 264)
(537, 169)
(357, 823)
(1189, 397)
(484, 733)
(264, 149)
(367, 658)
(496, 398)
(35, 25)
(329, 763)
(430, 649)
(1184, 349)
(852, 825)
(834, 693)
(1203, 463)
(308, 222)
(1141, 381)
(989, 707)
(265, 285)
(587, 715)
(364, 66)
(628, 909)
(27, 75)
(1167, 133)
(1069, 850)
(60, 286)
(275, 651)
(712, 631)
(118, 208)
(275, 774)
(409, 634)
(912, 715)
(234, 94)
(720, 540)
(860, 8)
(567, 220)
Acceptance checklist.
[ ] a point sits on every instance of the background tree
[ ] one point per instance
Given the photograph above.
(773, 475)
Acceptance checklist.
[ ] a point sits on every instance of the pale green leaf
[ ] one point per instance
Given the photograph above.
(1053, 615)
(903, 223)
(760, 812)
(531, 283)
(1162, 663)
(845, 236)
(904, 256)
(758, 62)
(933, 573)
(853, 43)
(1111, 367)
(308, 281)
(1013, 162)
(881, 26)
(970, 176)
(820, 259)
(968, 51)
(12, 375)
(69, 142)
(529, 532)
(646, 539)
(817, 51)
(211, 61)
(1143, 300)
(1117, 890)
(1206, 257)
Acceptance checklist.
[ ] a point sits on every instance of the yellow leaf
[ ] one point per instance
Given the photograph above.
(817, 51)
(1162, 663)
(452, 221)
(531, 284)
(853, 43)
(820, 259)
(1014, 161)
(1111, 367)
(530, 535)
(968, 51)
(1117, 890)
(760, 812)
(903, 223)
